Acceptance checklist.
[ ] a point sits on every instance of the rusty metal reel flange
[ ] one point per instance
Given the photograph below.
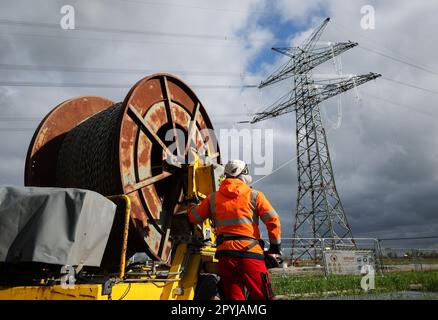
(157, 106)
(44, 147)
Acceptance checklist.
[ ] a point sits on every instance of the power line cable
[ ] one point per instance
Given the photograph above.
(410, 85)
(294, 158)
(56, 26)
(399, 60)
(18, 118)
(68, 37)
(111, 70)
(183, 6)
(104, 85)
(400, 105)
(16, 129)
(284, 164)
(40, 118)
(349, 31)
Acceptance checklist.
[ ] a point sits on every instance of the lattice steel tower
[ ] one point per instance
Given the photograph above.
(319, 211)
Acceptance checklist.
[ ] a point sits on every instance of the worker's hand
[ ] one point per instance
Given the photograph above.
(190, 202)
(273, 257)
(185, 205)
(273, 260)
(274, 249)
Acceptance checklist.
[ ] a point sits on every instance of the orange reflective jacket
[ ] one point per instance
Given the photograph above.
(236, 210)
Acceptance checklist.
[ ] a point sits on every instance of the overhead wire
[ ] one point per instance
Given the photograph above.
(410, 85)
(154, 33)
(417, 66)
(200, 73)
(399, 60)
(30, 119)
(59, 68)
(378, 45)
(106, 85)
(172, 4)
(364, 93)
(110, 70)
(16, 129)
(56, 26)
(400, 105)
(284, 164)
(66, 36)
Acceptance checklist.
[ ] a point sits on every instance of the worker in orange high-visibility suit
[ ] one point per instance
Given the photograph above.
(236, 210)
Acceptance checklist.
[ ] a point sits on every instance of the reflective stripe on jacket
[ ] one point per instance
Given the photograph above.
(236, 210)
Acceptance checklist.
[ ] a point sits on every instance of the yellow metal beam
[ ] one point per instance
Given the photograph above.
(125, 231)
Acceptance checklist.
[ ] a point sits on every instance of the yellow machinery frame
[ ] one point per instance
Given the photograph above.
(181, 279)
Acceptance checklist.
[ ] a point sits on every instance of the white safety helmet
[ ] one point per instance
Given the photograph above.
(235, 167)
(238, 169)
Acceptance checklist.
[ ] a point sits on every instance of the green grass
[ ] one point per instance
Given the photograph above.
(298, 286)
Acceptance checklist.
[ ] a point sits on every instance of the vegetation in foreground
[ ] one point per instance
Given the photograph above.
(308, 286)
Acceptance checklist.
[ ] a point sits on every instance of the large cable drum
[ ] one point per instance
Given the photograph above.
(140, 147)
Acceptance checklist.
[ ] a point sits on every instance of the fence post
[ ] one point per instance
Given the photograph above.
(379, 254)
(417, 262)
(324, 267)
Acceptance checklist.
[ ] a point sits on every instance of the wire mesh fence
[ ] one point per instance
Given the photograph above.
(344, 271)
(410, 259)
(387, 255)
(321, 254)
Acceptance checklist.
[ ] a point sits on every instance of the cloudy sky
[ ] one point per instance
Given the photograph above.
(384, 151)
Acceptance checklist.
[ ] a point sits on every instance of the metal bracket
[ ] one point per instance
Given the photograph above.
(107, 287)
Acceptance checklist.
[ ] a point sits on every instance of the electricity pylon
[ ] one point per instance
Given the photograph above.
(319, 211)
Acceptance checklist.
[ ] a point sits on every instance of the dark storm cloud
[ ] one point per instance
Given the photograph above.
(384, 156)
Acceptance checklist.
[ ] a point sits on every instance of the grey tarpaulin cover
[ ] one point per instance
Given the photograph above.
(54, 225)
